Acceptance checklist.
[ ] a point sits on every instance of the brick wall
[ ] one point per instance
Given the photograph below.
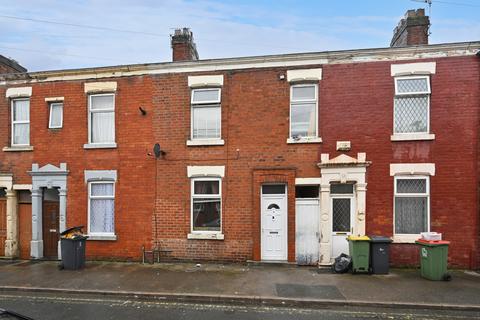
(355, 104)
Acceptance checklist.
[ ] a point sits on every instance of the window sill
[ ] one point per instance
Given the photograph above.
(206, 236)
(405, 238)
(304, 140)
(412, 136)
(100, 146)
(206, 142)
(102, 237)
(17, 149)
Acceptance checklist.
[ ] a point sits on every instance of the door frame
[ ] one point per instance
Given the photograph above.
(353, 212)
(285, 220)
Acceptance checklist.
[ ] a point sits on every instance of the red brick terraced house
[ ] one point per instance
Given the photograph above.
(270, 158)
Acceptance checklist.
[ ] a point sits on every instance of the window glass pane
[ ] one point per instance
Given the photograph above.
(410, 215)
(56, 115)
(206, 214)
(102, 215)
(206, 187)
(411, 185)
(21, 133)
(21, 110)
(303, 93)
(341, 215)
(341, 188)
(101, 102)
(2, 192)
(273, 189)
(206, 122)
(103, 127)
(303, 121)
(206, 95)
(412, 85)
(101, 189)
(411, 114)
(306, 191)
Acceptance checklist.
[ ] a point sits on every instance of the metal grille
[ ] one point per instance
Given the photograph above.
(411, 114)
(411, 186)
(410, 215)
(341, 215)
(412, 85)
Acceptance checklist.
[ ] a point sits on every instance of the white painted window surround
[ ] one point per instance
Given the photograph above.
(101, 121)
(19, 92)
(100, 87)
(104, 195)
(411, 171)
(308, 181)
(55, 120)
(304, 75)
(206, 174)
(407, 69)
(303, 113)
(403, 169)
(205, 81)
(206, 117)
(205, 171)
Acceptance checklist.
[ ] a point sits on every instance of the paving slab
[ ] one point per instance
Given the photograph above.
(303, 284)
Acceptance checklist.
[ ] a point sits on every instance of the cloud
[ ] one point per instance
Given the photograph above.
(221, 29)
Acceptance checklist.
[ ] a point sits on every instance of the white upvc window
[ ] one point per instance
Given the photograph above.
(20, 122)
(206, 113)
(55, 120)
(411, 205)
(101, 208)
(206, 205)
(101, 118)
(303, 111)
(412, 105)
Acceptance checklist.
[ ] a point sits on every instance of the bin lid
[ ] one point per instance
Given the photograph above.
(72, 229)
(380, 239)
(432, 243)
(358, 238)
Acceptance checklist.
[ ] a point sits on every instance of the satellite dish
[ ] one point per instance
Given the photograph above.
(157, 151)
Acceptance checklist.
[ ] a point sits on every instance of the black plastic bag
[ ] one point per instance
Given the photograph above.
(342, 263)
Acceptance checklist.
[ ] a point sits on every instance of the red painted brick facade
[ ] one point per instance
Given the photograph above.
(152, 205)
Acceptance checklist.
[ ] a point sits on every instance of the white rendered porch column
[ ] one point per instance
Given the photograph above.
(36, 245)
(325, 223)
(11, 242)
(62, 193)
(361, 202)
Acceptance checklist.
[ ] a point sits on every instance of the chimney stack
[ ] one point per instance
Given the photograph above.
(412, 30)
(183, 46)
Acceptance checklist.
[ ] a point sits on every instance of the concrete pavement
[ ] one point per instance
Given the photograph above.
(236, 283)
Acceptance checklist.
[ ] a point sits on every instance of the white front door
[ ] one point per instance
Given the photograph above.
(307, 234)
(342, 223)
(274, 222)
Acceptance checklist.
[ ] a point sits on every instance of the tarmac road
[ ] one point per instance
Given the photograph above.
(43, 306)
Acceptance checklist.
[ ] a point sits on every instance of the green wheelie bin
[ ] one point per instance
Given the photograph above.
(359, 247)
(433, 259)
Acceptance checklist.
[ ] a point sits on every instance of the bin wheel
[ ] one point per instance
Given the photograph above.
(447, 277)
(60, 266)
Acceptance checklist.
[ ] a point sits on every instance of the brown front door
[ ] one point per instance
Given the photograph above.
(25, 234)
(50, 229)
(3, 225)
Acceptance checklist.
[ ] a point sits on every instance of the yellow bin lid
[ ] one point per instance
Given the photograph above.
(358, 238)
